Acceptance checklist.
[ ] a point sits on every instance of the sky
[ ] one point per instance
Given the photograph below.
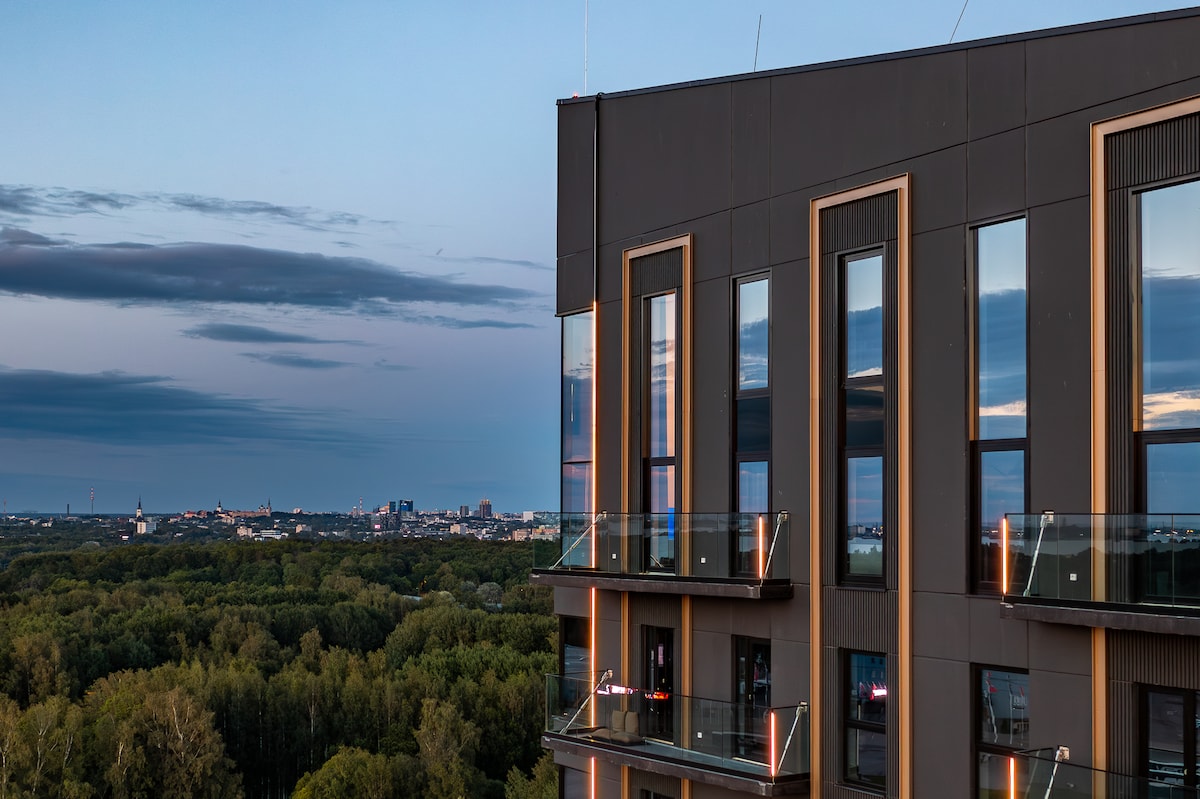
(304, 251)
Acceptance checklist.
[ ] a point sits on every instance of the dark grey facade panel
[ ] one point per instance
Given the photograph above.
(789, 408)
(750, 236)
(1070, 72)
(904, 120)
(1057, 158)
(859, 618)
(607, 468)
(750, 178)
(1060, 357)
(658, 783)
(575, 282)
(657, 272)
(655, 170)
(1153, 153)
(994, 640)
(942, 749)
(942, 625)
(575, 185)
(995, 89)
(996, 176)
(712, 372)
(940, 462)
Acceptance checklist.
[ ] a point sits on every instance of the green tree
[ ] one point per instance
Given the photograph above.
(447, 751)
(350, 772)
(542, 784)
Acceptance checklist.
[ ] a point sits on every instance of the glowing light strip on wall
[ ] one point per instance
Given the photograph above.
(762, 548)
(772, 764)
(592, 780)
(592, 650)
(1012, 778)
(1004, 556)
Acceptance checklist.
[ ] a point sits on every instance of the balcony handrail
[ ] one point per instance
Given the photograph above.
(586, 532)
(1047, 518)
(787, 744)
(780, 518)
(606, 676)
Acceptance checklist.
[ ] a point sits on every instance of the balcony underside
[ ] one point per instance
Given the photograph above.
(665, 584)
(1165, 619)
(671, 761)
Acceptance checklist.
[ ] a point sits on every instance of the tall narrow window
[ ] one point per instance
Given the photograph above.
(752, 411)
(863, 426)
(661, 427)
(999, 448)
(1002, 726)
(865, 713)
(1169, 439)
(578, 362)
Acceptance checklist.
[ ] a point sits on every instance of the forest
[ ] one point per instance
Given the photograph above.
(390, 669)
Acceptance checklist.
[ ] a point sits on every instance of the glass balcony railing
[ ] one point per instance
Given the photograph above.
(1148, 561)
(1045, 774)
(767, 744)
(749, 547)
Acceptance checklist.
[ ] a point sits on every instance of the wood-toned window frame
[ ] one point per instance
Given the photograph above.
(902, 713)
(1100, 411)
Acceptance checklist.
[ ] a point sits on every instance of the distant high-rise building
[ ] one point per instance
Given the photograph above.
(464, 511)
(391, 506)
(406, 508)
(527, 516)
(485, 508)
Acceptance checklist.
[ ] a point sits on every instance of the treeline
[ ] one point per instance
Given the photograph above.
(396, 669)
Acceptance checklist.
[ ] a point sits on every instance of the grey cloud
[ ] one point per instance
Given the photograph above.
(487, 259)
(119, 408)
(391, 367)
(55, 201)
(293, 360)
(469, 324)
(251, 334)
(13, 235)
(226, 273)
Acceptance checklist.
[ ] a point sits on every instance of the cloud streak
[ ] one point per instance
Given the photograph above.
(192, 273)
(490, 260)
(120, 408)
(293, 360)
(252, 334)
(30, 201)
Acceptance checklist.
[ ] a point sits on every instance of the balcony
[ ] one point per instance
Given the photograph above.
(737, 555)
(1134, 571)
(753, 749)
(1048, 773)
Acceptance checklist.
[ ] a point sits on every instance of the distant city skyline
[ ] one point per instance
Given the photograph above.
(308, 252)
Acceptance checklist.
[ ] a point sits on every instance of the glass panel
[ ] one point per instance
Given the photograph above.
(660, 527)
(752, 693)
(754, 425)
(1004, 712)
(867, 686)
(1001, 491)
(1172, 475)
(864, 316)
(575, 645)
(993, 776)
(577, 488)
(864, 516)
(1001, 352)
(661, 380)
(864, 417)
(578, 354)
(1170, 250)
(753, 494)
(866, 756)
(753, 334)
(1165, 727)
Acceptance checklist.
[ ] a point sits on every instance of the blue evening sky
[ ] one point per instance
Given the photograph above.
(304, 251)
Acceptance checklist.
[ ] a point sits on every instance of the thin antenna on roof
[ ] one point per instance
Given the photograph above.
(756, 40)
(585, 43)
(960, 16)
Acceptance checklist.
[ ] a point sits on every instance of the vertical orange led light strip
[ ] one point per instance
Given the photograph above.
(771, 713)
(1004, 556)
(1012, 778)
(592, 656)
(592, 780)
(762, 549)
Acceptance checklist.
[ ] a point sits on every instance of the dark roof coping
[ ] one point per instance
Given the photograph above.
(1044, 33)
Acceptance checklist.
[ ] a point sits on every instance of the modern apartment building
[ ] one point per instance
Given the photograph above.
(881, 422)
